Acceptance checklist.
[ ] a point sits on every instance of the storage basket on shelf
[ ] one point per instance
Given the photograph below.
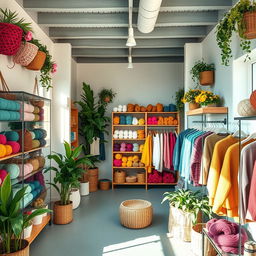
(141, 177)
(93, 177)
(136, 213)
(119, 176)
(104, 184)
(10, 38)
(25, 54)
(131, 179)
(38, 62)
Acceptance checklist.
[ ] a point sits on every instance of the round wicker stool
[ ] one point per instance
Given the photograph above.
(136, 213)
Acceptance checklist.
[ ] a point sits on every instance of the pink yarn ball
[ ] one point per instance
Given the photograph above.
(15, 146)
(26, 170)
(30, 167)
(117, 162)
(3, 174)
(3, 139)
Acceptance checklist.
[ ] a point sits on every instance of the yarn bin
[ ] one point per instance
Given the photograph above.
(245, 108)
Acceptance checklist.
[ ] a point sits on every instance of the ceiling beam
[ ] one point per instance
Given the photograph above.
(122, 33)
(121, 43)
(91, 20)
(178, 59)
(110, 6)
(125, 52)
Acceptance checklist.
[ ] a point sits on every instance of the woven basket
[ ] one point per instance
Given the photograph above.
(136, 213)
(141, 177)
(22, 252)
(131, 179)
(207, 77)
(250, 25)
(93, 177)
(63, 214)
(104, 184)
(38, 62)
(25, 54)
(119, 176)
(10, 38)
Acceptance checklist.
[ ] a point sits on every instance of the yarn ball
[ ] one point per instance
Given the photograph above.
(41, 112)
(37, 103)
(30, 167)
(129, 163)
(36, 110)
(3, 139)
(27, 140)
(13, 170)
(118, 156)
(15, 146)
(11, 135)
(124, 159)
(24, 170)
(2, 150)
(5, 115)
(245, 108)
(32, 135)
(8, 150)
(117, 162)
(35, 143)
(36, 117)
(41, 160)
(3, 174)
(34, 162)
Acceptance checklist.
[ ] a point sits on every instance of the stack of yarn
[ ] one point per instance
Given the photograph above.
(8, 143)
(150, 108)
(128, 120)
(120, 108)
(141, 134)
(125, 134)
(226, 235)
(9, 110)
(170, 108)
(127, 147)
(160, 120)
(38, 108)
(164, 177)
(124, 161)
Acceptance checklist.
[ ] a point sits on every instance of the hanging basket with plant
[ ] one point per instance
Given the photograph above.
(12, 30)
(190, 96)
(242, 20)
(106, 95)
(203, 73)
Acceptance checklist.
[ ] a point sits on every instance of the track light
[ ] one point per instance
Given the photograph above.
(131, 40)
(130, 62)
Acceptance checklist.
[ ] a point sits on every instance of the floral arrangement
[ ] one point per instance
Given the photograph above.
(206, 98)
(190, 96)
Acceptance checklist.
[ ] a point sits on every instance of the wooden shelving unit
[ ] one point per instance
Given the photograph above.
(146, 127)
(74, 126)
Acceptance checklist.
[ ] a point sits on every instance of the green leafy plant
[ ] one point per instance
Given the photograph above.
(93, 119)
(106, 95)
(48, 67)
(233, 21)
(69, 170)
(189, 201)
(7, 16)
(190, 96)
(178, 99)
(12, 221)
(200, 66)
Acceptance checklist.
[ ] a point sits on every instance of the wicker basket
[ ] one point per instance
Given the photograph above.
(63, 214)
(136, 213)
(104, 184)
(131, 179)
(141, 177)
(25, 54)
(250, 25)
(22, 252)
(119, 176)
(93, 177)
(38, 62)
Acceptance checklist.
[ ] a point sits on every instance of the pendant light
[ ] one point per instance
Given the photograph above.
(130, 65)
(131, 40)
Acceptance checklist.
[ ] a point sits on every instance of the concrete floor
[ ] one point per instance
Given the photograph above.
(96, 230)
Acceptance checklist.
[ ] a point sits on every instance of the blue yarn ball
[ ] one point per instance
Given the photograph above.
(13, 170)
(4, 115)
(11, 135)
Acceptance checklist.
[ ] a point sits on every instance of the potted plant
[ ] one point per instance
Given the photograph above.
(189, 97)
(43, 62)
(12, 30)
(12, 221)
(207, 99)
(203, 73)
(240, 19)
(67, 176)
(75, 197)
(178, 99)
(185, 210)
(106, 95)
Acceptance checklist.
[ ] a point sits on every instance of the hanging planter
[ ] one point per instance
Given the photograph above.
(250, 25)
(207, 77)
(25, 54)
(38, 62)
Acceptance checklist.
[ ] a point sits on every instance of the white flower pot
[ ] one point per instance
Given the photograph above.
(45, 214)
(38, 219)
(84, 188)
(27, 232)
(75, 198)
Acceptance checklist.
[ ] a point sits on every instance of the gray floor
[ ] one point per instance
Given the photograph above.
(96, 230)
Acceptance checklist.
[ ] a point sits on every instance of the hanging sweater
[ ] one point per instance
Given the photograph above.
(146, 157)
(216, 165)
(167, 159)
(161, 153)
(156, 151)
(251, 211)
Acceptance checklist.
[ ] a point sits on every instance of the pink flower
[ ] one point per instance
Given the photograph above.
(28, 36)
(54, 68)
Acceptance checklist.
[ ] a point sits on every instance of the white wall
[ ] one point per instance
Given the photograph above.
(144, 84)
(73, 79)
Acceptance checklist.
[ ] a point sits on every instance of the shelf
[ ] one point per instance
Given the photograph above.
(175, 112)
(129, 113)
(156, 125)
(207, 110)
(38, 196)
(38, 228)
(15, 181)
(130, 125)
(129, 139)
(126, 152)
(115, 167)
(131, 183)
(249, 118)
(21, 153)
(163, 184)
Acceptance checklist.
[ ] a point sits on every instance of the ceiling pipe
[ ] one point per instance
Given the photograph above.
(148, 13)
(130, 65)
(131, 40)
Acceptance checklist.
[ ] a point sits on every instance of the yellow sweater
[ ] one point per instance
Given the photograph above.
(216, 165)
(146, 157)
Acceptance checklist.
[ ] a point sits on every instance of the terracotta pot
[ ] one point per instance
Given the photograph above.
(250, 25)
(23, 252)
(38, 62)
(207, 78)
(107, 99)
(104, 184)
(193, 106)
(63, 214)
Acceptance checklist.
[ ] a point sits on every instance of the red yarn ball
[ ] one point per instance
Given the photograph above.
(15, 146)
(3, 174)
(3, 139)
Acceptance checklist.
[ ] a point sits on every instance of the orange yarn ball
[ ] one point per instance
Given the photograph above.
(2, 150)
(8, 150)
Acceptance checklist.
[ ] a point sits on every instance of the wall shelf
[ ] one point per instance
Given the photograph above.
(207, 110)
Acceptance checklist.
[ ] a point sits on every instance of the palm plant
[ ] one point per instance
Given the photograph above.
(69, 171)
(189, 201)
(93, 121)
(12, 221)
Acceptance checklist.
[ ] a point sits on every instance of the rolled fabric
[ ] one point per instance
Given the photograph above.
(28, 108)
(41, 117)
(14, 115)
(3, 139)
(23, 168)
(5, 115)
(36, 117)
(27, 140)
(28, 116)
(9, 104)
(41, 161)
(41, 111)
(36, 183)
(40, 177)
(34, 193)
(15, 146)
(11, 136)
(42, 142)
(36, 110)
(34, 162)
(30, 167)
(2, 150)
(3, 174)
(36, 144)
(33, 135)
(8, 149)
(13, 170)
(37, 103)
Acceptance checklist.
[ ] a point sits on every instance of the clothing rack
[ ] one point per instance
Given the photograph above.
(212, 122)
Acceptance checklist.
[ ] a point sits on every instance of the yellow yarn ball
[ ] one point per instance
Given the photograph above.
(124, 164)
(8, 150)
(2, 150)
(118, 156)
(130, 158)
(129, 163)
(124, 159)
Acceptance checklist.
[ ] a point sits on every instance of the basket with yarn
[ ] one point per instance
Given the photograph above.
(25, 54)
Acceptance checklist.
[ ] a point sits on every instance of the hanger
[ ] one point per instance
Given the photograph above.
(236, 134)
(250, 137)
